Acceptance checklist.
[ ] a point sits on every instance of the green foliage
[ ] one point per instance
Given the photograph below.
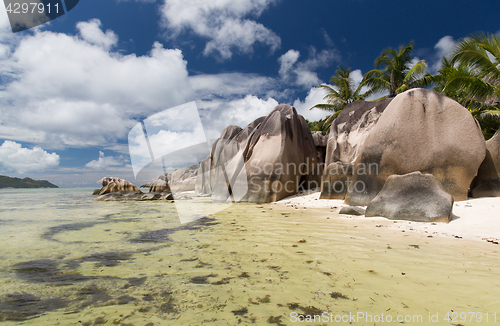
(471, 76)
(343, 91)
(338, 96)
(317, 125)
(8, 182)
(395, 72)
(489, 122)
(479, 55)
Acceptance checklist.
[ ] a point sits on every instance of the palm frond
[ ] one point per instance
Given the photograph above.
(326, 107)
(415, 72)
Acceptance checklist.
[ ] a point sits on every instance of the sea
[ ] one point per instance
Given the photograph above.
(66, 259)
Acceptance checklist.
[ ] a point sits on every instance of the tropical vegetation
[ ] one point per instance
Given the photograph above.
(342, 92)
(8, 182)
(470, 75)
(395, 71)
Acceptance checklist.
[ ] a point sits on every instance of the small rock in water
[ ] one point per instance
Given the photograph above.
(352, 210)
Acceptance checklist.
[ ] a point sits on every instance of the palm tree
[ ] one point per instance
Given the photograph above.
(471, 76)
(478, 57)
(340, 94)
(395, 71)
(442, 77)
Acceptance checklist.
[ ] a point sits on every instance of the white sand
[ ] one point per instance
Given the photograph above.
(475, 219)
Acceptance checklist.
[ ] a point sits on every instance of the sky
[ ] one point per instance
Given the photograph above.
(72, 90)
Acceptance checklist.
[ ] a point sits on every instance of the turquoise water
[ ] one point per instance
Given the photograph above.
(69, 260)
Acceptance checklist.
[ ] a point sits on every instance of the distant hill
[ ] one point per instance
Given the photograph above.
(8, 182)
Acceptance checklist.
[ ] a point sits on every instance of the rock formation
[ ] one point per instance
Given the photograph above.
(184, 179)
(116, 189)
(271, 158)
(487, 181)
(113, 184)
(280, 157)
(352, 210)
(347, 134)
(415, 197)
(320, 140)
(158, 184)
(227, 146)
(135, 196)
(420, 130)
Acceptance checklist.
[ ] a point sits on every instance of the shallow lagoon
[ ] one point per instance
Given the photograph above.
(69, 260)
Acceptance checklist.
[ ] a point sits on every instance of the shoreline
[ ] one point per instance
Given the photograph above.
(473, 219)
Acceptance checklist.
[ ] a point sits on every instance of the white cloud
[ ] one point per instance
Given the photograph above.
(217, 115)
(287, 61)
(303, 73)
(104, 162)
(223, 22)
(443, 48)
(72, 91)
(14, 157)
(92, 33)
(74, 123)
(314, 96)
(231, 85)
(357, 77)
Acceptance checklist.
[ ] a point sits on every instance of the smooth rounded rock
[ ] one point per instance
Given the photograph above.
(487, 181)
(347, 135)
(420, 130)
(414, 197)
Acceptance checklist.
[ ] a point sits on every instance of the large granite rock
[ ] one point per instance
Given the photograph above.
(420, 130)
(184, 179)
(414, 197)
(280, 157)
(203, 184)
(487, 181)
(320, 140)
(135, 196)
(158, 184)
(227, 146)
(271, 158)
(113, 184)
(347, 135)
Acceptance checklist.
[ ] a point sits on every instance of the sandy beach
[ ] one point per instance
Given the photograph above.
(473, 219)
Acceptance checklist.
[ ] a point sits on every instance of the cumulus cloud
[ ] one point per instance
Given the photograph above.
(287, 61)
(92, 33)
(303, 73)
(217, 114)
(17, 158)
(225, 23)
(73, 91)
(314, 96)
(105, 162)
(230, 85)
(442, 49)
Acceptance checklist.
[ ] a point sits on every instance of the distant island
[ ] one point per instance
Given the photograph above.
(8, 182)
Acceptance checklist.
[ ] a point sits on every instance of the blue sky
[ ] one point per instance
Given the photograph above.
(71, 90)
